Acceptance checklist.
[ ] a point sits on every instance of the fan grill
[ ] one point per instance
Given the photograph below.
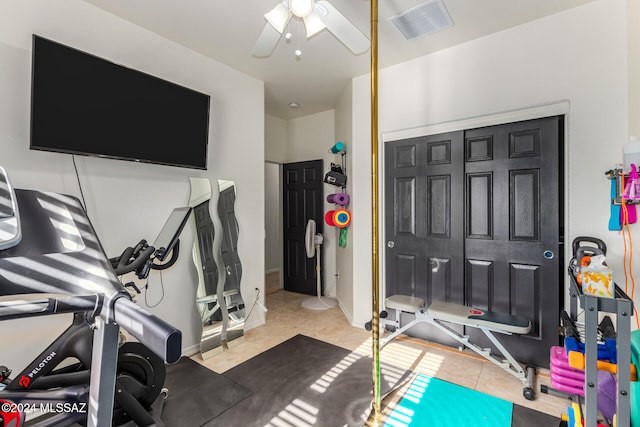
(426, 18)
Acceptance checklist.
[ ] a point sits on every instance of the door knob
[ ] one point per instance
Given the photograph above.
(548, 254)
(390, 244)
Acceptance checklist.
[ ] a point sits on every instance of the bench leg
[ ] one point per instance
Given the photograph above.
(511, 365)
(514, 367)
(420, 317)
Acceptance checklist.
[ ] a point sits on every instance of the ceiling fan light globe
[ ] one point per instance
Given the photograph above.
(278, 17)
(301, 8)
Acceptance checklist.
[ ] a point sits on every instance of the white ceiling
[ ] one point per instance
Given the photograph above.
(227, 30)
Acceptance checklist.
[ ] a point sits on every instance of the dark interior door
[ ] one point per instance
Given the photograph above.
(424, 227)
(513, 236)
(469, 218)
(303, 200)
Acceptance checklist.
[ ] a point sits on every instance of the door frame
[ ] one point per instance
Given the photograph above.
(276, 187)
(557, 108)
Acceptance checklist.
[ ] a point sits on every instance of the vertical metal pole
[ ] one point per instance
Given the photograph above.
(591, 359)
(104, 361)
(375, 416)
(623, 331)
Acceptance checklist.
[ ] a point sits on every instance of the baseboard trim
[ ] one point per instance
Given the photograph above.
(191, 350)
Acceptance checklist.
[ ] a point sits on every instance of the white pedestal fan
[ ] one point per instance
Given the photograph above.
(312, 242)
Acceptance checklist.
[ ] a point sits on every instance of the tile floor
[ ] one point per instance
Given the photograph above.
(286, 318)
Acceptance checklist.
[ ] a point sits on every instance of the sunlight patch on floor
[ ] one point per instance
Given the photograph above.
(398, 359)
(402, 416)
(365, 348)
(325, 381)
(296, 414)
(405, 356)
(301, 414)
(410, 358)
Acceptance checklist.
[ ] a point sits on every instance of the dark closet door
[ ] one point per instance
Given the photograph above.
(512, 235)
(424, 223)
(303, 200)
(474, 217)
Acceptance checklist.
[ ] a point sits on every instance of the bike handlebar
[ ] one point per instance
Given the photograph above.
(31, 307)
(134, 259)
(140, 259)
(159, 336)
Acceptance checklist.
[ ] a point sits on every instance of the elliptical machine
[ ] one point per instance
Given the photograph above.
(48, 246)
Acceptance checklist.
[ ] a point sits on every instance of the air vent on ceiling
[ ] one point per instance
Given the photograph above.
(426, 18)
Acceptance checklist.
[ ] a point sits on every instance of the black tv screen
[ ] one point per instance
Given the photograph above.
(82, 104)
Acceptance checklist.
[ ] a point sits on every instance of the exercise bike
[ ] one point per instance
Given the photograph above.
(51, 262)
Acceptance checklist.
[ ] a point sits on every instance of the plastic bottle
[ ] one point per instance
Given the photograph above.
(631, 153)
(339, 147)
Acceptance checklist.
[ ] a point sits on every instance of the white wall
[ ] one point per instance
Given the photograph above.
(275, 152)
(272, 217)
(344, 256)
(275, 140)
(310, 138)
(128, 201)
(633, 39)
(579, 55)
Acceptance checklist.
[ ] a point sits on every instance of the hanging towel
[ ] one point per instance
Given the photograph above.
(632, 215)
(631, 192)
(614, 219)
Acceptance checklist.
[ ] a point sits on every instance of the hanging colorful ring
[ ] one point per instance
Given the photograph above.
(342, 218)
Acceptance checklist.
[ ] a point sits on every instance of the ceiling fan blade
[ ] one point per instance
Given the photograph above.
(266, 42)
(313, 24)
(342, 28)
(279, 16)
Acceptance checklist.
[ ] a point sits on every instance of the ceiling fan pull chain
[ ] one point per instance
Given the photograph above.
(298, 52)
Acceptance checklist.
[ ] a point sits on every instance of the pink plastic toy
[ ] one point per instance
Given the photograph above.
(632, 186)
(565, 388)
(628, 214)
(560, 362)
(569, 380)
(564, 377)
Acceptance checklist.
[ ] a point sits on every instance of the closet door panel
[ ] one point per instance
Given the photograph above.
(424, 234)
(506, 228)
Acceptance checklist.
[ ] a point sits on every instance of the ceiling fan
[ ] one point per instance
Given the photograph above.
(317, 15)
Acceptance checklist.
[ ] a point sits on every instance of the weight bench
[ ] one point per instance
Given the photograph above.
(440, 313)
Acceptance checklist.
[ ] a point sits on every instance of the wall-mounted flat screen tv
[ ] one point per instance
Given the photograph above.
(82, 104)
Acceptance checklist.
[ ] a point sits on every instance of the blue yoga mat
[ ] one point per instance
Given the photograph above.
(433, 402)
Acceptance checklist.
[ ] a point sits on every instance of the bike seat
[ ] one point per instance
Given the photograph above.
(10, 231)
